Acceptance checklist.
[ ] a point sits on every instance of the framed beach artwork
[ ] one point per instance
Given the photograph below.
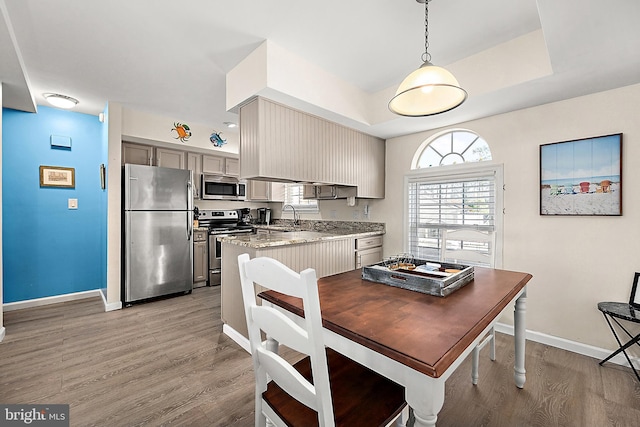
(582, 177)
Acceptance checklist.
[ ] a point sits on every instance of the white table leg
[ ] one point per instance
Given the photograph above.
(402, 420)
(519, 338)
(426, 396)
(474, 365)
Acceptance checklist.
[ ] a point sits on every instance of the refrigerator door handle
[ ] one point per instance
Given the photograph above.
(128, 205)
(189, 209)
(189, 196)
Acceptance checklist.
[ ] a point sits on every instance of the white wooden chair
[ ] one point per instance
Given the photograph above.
(325, 388)
(468, 246)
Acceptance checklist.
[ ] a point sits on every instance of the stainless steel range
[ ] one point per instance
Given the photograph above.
(221, 223)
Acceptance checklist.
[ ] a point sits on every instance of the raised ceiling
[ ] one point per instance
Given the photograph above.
(172, 58)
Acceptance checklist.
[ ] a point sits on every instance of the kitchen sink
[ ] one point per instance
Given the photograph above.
(277, 229)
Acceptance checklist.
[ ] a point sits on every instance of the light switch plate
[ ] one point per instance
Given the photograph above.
(73, 203)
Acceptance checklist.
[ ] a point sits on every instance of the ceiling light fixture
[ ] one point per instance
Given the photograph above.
(428, 90)
(60, 101)
(230, 124)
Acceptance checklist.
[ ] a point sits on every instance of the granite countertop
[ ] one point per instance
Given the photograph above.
(281, 238)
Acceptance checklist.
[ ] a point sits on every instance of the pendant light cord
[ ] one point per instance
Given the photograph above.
(426, 57)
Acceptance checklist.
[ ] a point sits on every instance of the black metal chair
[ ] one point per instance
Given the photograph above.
(625, 311)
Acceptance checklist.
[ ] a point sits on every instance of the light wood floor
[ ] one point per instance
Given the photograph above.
(168, 363)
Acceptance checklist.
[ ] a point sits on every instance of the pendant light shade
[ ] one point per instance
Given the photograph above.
(428, 90)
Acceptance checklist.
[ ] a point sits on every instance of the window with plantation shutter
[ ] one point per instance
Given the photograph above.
(452, 187)
(452, 201)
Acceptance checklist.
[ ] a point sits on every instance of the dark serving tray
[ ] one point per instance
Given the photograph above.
(436, 283)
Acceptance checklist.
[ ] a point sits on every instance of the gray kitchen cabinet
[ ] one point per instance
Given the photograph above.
(220, 165)
(280, 143)
(276, 192)
(137, 154)
(368, 250)
(200, 259)
(309, 191)
(231, 166)
(167, 158)
(265, 191)
(329, 192)
(194, 164)
(213, 164)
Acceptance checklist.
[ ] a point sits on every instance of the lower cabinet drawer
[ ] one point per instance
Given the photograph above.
(368, 242)
(368, 256)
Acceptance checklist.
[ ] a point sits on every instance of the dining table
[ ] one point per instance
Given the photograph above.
(415, 339)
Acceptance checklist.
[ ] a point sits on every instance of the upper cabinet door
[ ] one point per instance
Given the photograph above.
(212, 164)
(136, 154)
(232, 167)
(258, 190)
(170, 158)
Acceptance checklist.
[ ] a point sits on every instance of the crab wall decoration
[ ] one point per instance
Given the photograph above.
(216, 139)
(182, 130)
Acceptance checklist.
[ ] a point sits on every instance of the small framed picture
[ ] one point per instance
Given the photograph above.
(582, 177)
(56, 176)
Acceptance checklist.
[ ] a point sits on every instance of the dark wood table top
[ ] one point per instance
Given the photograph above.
(424, 332)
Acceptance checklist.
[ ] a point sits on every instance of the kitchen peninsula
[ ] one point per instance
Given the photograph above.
(330, 247)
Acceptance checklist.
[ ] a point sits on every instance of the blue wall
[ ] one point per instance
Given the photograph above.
(49, 249)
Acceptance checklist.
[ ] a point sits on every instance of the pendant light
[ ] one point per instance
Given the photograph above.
(428, 90)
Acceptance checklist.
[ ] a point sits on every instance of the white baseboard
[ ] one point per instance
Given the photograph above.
(110, 306)
(237, 337)
(2, 332)
(573, 346)
(19, 305)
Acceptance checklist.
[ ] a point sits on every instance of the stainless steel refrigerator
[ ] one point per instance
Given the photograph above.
(158, 228)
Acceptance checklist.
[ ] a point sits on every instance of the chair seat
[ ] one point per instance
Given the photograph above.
(621, 310)
(360, 396)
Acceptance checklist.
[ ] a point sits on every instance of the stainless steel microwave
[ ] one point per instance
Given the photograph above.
(220, 187)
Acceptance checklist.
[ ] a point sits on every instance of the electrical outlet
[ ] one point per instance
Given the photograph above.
(73, 203)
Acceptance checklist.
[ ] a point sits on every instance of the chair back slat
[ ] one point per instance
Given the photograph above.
(288, 378)
(269, 273)
(279, 327)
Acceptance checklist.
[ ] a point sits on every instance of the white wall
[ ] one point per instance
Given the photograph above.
(114, 215)
(575, 261)
(138, 126)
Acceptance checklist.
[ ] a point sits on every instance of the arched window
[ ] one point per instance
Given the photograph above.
(451, 147)
(467, 196)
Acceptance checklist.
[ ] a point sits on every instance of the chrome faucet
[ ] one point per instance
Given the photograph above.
(296, 218)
